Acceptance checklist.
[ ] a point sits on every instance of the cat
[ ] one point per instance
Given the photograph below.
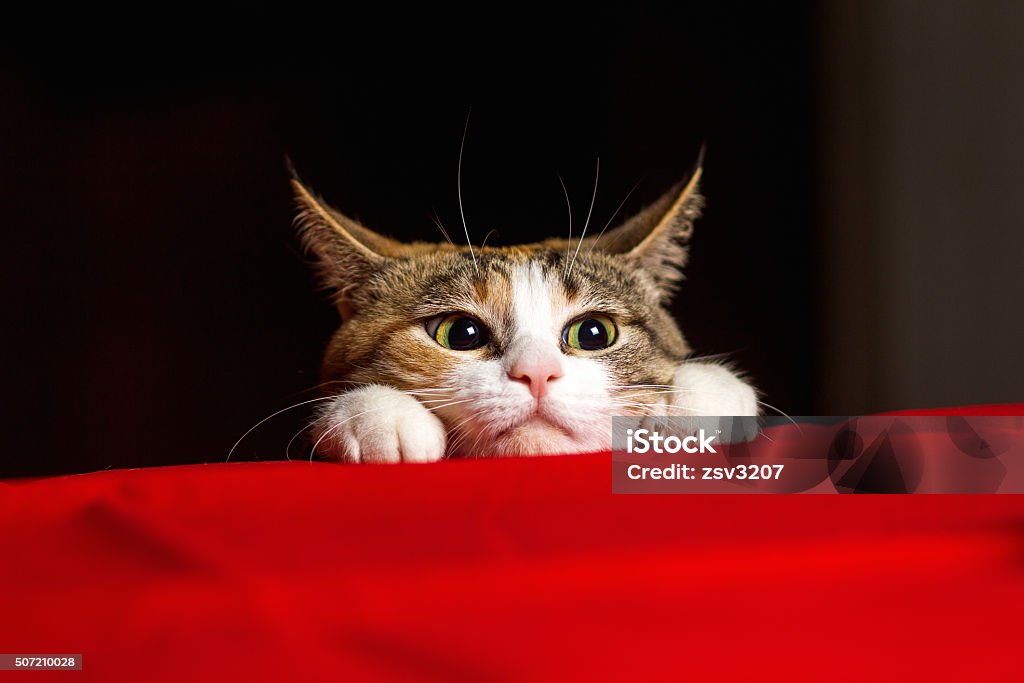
(447, 350)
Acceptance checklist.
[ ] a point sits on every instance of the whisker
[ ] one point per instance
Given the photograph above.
(463, 436)
(480, 436)
(659, 394)
(458, 178)
(568, 204)
(614, 214)
(783, 414)
(446, 405)
(710, 356)
(460, 436)
(657, 390)
(665, 406)
(452, 403)
(476, 442)
(487, 237)
(440, 226)
(288, 448)
(636, 404)
(321, 385)
(272, 415)
(593, 198)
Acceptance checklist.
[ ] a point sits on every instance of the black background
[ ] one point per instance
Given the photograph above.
(158, 303)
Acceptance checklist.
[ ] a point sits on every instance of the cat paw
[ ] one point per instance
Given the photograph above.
(708, 389)
(378, 424)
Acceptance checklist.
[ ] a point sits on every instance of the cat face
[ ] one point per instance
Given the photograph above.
(519, 349)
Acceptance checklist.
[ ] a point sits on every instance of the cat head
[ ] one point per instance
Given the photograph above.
(519, 349)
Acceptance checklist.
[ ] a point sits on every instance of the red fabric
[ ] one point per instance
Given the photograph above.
(496, 570)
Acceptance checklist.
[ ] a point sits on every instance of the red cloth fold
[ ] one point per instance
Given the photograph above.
(499, 569)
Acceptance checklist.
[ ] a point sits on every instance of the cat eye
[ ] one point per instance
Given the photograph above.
(591, 333)
(457, 332)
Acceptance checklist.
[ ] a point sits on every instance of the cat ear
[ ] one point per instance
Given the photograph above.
(655, 239)
(346, 252)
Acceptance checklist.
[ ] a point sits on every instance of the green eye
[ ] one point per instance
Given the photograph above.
(590, 333)
(457, 332)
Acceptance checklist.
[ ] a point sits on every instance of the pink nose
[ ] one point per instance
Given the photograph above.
(536, 372)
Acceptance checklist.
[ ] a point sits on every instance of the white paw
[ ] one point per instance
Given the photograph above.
(708, 389)
(378, 424)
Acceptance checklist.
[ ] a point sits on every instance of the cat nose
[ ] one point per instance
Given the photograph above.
(536, 372)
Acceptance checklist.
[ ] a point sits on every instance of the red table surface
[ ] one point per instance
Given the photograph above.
(500, 569)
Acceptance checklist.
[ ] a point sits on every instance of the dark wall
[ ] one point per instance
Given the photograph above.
(159, 305)
(920, 165)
